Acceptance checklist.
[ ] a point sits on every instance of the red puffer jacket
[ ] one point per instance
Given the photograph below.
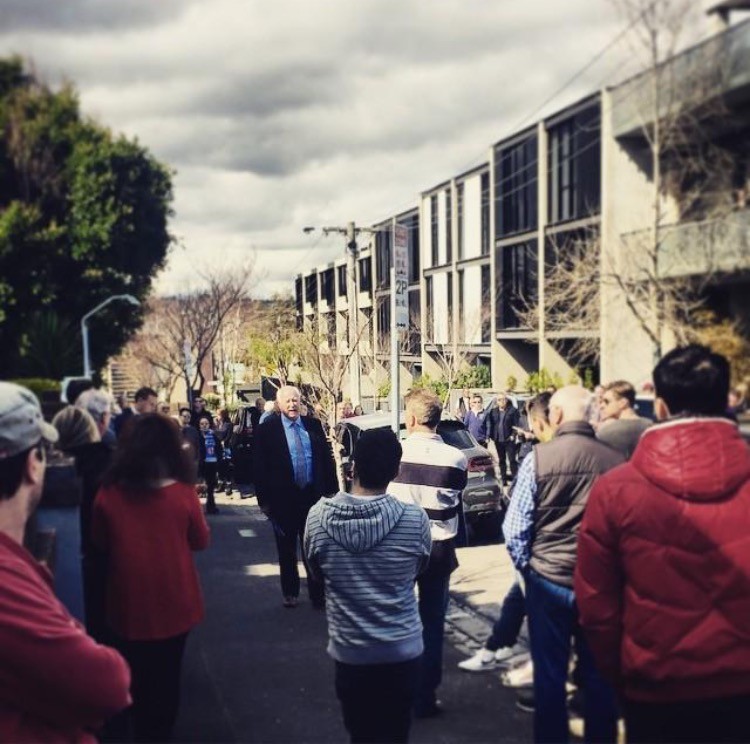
(662, 580)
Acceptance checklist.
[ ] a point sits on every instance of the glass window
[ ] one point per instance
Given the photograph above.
(516, 188)
(517, 272)
(485, 213)
(575, 167)
(342, 280)
(365, 274)
(434, 229)
(448, 226)
(460, 219)
(486, 304)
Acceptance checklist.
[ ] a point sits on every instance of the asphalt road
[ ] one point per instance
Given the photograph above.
(257, 672)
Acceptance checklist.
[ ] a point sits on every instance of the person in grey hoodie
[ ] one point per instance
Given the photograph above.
(369, 547)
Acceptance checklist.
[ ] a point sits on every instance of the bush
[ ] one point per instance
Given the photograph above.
(425, 382)
(538, 382)
(39, 385)
(511, 383)
(477, 376)
(213, 401)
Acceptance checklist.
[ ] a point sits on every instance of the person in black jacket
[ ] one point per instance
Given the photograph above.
(293, 467)
(501, 422)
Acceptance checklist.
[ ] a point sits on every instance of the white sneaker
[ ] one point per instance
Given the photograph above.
(503, 654)
(482, 659)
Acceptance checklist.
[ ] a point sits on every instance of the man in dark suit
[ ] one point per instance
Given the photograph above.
(501, 424)
(293, 467)
(145, 402)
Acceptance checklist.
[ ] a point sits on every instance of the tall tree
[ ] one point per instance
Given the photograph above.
(187, 327)
(83, 216)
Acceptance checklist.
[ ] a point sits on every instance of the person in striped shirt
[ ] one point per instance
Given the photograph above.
(432, 474)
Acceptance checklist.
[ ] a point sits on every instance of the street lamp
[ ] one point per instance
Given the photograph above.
(85, 329)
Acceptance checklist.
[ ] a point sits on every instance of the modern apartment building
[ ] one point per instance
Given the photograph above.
(534, 258)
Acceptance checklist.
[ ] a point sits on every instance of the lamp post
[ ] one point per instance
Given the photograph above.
(85, 329)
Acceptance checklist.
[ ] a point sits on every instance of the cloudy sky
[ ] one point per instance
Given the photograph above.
(277, 114)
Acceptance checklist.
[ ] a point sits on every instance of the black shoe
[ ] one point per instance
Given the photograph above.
(525, 699)
(429, 710)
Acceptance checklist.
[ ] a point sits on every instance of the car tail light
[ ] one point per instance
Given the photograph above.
(483, 462)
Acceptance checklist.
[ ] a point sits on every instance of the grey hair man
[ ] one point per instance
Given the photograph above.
(42, 700)
(99, 404)
(433, 475)
(293, 467)
(541, 532)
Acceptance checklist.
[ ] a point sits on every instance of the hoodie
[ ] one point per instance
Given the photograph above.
(663, 575)
(369, 551)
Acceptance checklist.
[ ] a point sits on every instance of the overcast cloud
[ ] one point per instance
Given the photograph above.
(276, 115)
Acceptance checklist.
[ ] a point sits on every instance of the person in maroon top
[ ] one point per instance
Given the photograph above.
(56, 682)
(662, 581)
(148, 520)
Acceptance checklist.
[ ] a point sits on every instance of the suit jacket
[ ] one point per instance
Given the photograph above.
(121, 419)
(274, 472)
(501, 422)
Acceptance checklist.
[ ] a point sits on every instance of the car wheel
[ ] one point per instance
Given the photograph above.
(485, 528)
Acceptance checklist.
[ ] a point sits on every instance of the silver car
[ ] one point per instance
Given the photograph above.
(483, 496)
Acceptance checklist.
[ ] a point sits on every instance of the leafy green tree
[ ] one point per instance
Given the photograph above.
(83, 216)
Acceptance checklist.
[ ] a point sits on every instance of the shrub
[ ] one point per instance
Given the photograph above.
(39, 385)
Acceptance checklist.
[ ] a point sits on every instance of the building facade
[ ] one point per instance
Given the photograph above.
(576, 244)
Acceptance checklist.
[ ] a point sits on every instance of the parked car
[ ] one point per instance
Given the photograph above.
(483, 496)
(241, 443)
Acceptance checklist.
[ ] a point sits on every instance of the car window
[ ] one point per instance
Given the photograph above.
(645, 407)
(459, 438)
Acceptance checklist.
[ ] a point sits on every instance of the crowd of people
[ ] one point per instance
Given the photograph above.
(629, 538)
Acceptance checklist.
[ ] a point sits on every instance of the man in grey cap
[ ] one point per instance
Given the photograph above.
(57, 683)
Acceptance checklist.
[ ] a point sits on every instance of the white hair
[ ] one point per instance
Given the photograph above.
(573, 401)
(97, 402)
(286, 390)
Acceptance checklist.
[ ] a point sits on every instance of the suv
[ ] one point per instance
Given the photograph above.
(483, 496)
(241, 443)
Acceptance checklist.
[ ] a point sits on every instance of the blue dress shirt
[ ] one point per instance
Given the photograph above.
(292, 443)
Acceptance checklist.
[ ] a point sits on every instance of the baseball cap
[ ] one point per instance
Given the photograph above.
(21, 421)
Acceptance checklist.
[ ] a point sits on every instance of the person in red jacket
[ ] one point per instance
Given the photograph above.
(663, 574)
(56, 683)
(147, 520)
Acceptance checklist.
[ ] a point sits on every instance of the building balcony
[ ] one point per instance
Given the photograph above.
(715, 246)
(720, 66)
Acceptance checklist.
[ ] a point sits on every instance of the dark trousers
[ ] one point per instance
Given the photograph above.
(289, 534)
(508, 625)
(209, 472)
(694, 721)
(376, 699)
(553, 623)
(506, 454)
(155, 667)
(433, 603)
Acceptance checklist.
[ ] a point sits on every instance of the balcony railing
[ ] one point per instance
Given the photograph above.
(718, 66)
(714, 246)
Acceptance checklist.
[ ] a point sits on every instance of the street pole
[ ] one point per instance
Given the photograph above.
(85, 328)
(355, 382)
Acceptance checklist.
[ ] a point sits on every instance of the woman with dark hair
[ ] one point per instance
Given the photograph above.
(147, 518)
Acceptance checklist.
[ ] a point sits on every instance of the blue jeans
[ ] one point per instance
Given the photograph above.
(553, 622)
(433, 603)
(508, 625)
